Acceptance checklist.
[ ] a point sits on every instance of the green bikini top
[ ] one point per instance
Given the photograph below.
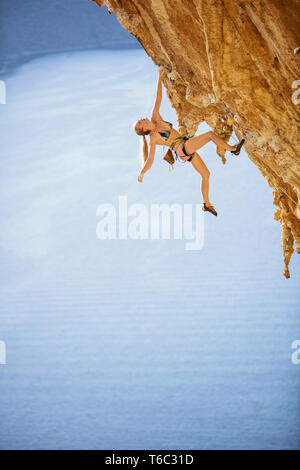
(165, 133)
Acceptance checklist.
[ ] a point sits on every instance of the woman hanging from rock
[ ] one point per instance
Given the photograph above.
(162, 133)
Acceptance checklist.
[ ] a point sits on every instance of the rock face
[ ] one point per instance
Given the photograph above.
(232, 64)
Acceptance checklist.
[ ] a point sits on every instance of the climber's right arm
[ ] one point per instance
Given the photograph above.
(148, 162)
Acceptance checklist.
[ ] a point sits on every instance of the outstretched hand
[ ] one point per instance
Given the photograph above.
(140, 178)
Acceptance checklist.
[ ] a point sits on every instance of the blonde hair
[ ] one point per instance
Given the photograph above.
(144, 144)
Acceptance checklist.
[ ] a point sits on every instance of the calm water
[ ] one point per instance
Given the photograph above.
(134, 344)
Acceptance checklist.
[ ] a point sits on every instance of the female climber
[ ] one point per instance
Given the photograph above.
(162, 133)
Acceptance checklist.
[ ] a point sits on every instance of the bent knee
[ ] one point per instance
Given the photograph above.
(199, 165)
(205, 174)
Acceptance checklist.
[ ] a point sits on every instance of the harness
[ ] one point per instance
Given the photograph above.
(169, 155)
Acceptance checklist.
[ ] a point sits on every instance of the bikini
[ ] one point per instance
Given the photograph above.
(183, 139)
(165, 134)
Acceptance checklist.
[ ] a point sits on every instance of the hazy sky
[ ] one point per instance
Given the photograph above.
(36, 26)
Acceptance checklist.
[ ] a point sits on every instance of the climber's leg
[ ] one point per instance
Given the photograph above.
(201, 168)
(195, 143)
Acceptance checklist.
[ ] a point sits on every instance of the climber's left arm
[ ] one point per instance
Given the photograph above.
(155, 112)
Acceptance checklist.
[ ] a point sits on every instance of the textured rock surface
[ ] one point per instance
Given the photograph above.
(232, 64)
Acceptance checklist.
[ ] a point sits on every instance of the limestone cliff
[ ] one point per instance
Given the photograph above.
(232, 64)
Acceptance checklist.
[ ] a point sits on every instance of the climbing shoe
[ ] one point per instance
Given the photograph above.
(238, 147)
(209, 209)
